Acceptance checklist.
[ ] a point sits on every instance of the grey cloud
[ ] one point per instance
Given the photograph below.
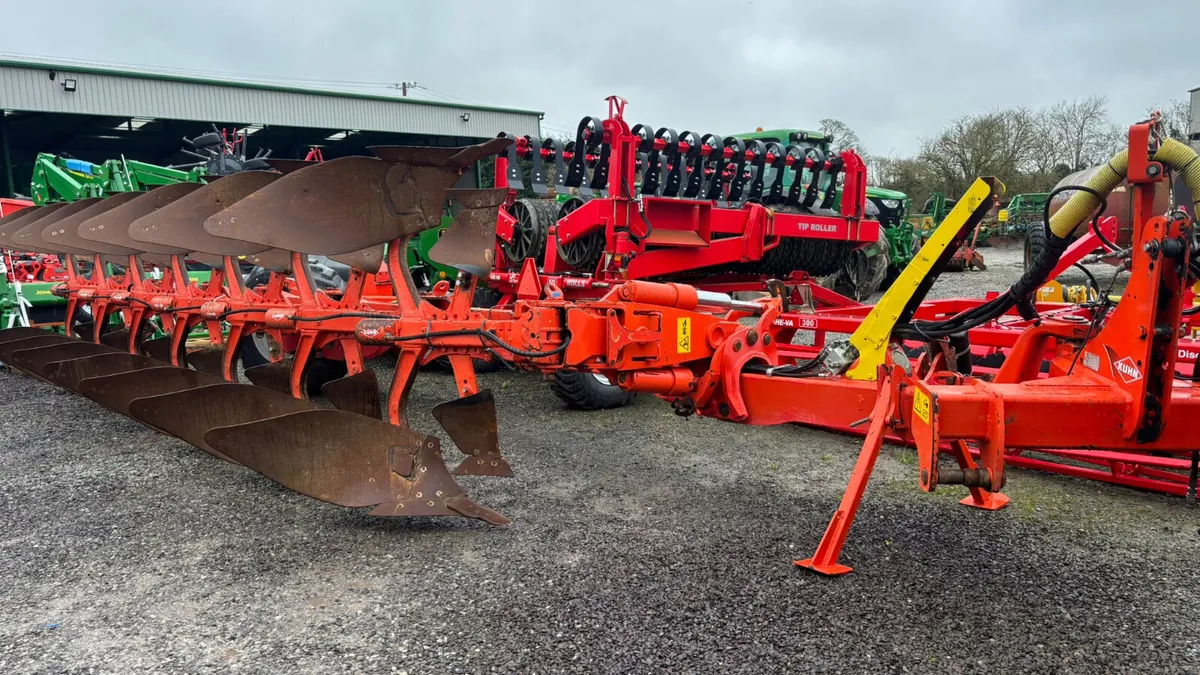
(894, 71)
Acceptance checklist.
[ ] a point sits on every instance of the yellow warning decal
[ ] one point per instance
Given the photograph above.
(683, 339)
(921, 405)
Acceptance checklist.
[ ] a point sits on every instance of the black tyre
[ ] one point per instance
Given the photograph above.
(1035, 241)
(255, 350)
(321, 371)
(863, 272)
(587, 391)
(209, 140)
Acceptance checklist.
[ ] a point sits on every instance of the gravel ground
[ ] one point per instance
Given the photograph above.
(640, 543)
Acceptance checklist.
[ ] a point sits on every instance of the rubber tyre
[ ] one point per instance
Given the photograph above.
(1035, 241)
(321, 371)
(251, 352)
(582, 391)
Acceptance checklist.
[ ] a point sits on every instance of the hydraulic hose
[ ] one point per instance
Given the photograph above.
(1175, 155)
(1182, 159)
(1084, 202)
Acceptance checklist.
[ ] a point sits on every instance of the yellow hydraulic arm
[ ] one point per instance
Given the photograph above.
(873, 334)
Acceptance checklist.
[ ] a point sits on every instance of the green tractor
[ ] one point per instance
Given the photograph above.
(62, 178)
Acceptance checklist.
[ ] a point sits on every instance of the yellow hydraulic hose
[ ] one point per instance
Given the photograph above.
(1182, 159)
(1081, 205)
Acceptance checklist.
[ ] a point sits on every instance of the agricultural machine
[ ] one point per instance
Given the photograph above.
(61, 179)
(937, 207)
(724, 212)
(541, 170)
(1097, 382)
(872, 267)
(1014, 220)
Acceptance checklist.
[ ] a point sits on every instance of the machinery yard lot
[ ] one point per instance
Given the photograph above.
(640, 542)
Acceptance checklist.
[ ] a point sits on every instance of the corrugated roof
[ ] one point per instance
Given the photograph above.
(114, 93)
(247, 84)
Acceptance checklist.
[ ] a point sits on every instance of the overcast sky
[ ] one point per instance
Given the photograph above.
(894, 70)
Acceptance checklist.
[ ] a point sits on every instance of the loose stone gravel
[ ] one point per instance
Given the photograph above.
(640, 543)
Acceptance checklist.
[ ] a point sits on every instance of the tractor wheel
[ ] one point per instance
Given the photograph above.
(256, 351)
(864, 271)
(1035, 241)
(588, 391)
(893, 273)
(322, 371)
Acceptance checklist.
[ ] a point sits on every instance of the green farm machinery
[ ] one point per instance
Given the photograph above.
(26, 297)
(1013, 221)
(937, 207)
(61, 178)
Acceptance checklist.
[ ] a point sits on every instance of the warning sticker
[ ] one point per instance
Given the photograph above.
(921, 405)
(683, 338)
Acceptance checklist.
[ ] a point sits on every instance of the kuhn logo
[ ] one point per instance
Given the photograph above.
(1127, 370)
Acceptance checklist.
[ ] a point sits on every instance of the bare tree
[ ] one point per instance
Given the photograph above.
(1048, 149)
(841, 136)
(880, 170)
(1082, 129)
(1176, 118)
(999, 143)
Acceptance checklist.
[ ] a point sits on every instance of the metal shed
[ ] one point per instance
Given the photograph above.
(100, 113)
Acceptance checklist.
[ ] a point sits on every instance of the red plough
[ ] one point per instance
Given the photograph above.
(1094, 388)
